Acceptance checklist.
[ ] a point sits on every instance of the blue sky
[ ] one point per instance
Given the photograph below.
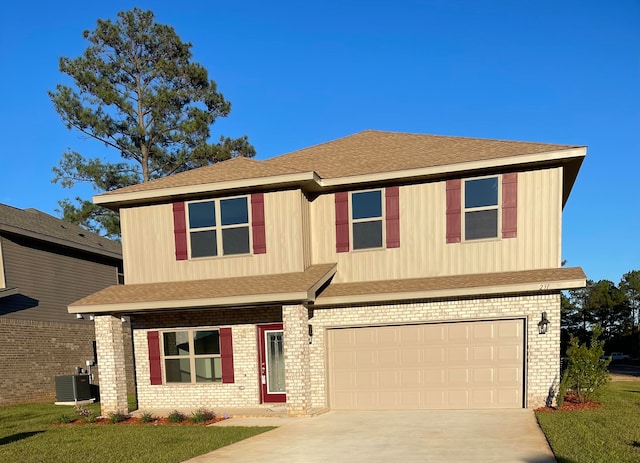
(302, 73)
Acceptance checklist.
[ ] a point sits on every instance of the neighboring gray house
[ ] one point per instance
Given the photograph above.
(46, 263)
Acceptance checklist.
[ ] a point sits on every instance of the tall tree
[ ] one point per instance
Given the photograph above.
(137, 91)
(606, 302)
(630, 286)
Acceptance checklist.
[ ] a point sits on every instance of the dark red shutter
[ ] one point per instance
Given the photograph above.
(510, 205)
(342, 221)
(257, 223)
(180, 230)
(454, 205)
(226, 355)
(392, 215)
(155, 367)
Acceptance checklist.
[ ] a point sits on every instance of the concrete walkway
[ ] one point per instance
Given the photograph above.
(402, 436)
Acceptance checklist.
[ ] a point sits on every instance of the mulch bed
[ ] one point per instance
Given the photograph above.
(136, 421)
(571, 404)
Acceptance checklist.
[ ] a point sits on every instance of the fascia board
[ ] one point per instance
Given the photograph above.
(453, 168)
(135, 196)
(231, 301)
(455, 292)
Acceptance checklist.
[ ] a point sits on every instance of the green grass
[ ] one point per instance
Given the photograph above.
(608, 434)
(28, 435)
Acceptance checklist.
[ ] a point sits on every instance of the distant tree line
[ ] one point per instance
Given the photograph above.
(616, 308)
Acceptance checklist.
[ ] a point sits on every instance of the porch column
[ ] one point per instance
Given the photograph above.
(295, 320)
(111, 369)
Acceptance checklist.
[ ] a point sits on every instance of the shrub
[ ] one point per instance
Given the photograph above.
(91, 417)
(201, 415)
(147, 417)
(82, 411)
(176, 417)
(65, 419)
(117, 417)
(586, 372)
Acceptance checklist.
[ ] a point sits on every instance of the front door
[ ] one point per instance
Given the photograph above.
(271, 363)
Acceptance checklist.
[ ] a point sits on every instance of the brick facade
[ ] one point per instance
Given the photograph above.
(35, 352)
(243, 392)
(306, 386)
(113, 392)
(296, 359)
(542, 351)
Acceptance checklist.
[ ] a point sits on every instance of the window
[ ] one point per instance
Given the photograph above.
(192, 356)
(219, 227)
(481, 208)
(366, 219)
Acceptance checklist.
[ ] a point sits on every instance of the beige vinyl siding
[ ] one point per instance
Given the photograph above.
(423, 250)
(149, 248)
(306, 231)
(49, 278)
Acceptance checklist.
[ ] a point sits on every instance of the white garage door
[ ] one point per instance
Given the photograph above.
(445, 365)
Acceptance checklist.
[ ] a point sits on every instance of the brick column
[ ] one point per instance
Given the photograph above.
(295, 319)
(113, 380)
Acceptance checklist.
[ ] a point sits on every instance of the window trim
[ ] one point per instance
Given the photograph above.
(218, 228)
(382, 219)
(192, 355)
(464, 210)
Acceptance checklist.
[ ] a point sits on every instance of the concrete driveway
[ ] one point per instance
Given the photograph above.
(402, 436)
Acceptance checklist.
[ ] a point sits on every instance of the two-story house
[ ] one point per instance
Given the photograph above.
(377, 271)
(45, 264)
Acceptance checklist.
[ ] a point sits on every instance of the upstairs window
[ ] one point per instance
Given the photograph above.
(219, 227)
(481, 205)
(192, 356)
(366, 219)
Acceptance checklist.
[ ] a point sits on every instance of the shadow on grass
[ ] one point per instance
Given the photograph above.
(17, 437)
(635, 444)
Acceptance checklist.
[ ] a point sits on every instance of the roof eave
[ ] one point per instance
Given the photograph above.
(572, 156)
(60, 242)
(310, 181)
(517, 288)
(230, 301)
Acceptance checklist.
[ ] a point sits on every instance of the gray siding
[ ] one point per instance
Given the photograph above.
(49, 278)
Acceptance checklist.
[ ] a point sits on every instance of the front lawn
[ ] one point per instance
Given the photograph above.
(608, 434)
(28, 435)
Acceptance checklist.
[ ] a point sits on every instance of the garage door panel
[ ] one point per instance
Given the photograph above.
(458, 332)
(483, 376)
(433, 378)
(447, 365)
(482, 353)
(458, 354)
(434, 355)
(388, 358)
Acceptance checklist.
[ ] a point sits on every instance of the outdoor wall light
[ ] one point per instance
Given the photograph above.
(92, 318)
(79, 316)
(543, 324)
(310, 333)
(123, 320)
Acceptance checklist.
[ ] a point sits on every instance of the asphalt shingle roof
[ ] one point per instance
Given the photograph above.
(367, 152)
(277, 284)
(37, 224)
